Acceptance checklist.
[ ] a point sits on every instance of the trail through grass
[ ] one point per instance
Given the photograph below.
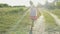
(57, 20)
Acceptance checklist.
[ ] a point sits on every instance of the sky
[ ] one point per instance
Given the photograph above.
(23, 2)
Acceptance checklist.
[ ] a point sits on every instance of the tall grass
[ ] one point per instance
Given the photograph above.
(9, 17)
(56, 12)
(50, 22)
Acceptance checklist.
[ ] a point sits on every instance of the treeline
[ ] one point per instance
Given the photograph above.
(6, 5)
(52, 5)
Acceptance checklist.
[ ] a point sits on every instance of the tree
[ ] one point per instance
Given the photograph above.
(4, 5)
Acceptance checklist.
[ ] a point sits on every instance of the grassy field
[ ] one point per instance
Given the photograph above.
(49, 21)
(51, 25)
(10, 16)
(56, 12)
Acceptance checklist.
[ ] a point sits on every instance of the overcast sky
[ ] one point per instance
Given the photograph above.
(22, 2)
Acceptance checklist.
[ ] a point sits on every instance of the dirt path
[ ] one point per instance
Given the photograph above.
(39, 26)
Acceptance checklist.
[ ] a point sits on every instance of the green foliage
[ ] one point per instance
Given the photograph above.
(18, 6)
(58, 5)
(4, 5)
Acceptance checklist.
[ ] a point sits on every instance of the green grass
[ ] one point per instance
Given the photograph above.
(50, 23)
(49, 19)
(10, 16)
(56, 12)
(24, 26)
